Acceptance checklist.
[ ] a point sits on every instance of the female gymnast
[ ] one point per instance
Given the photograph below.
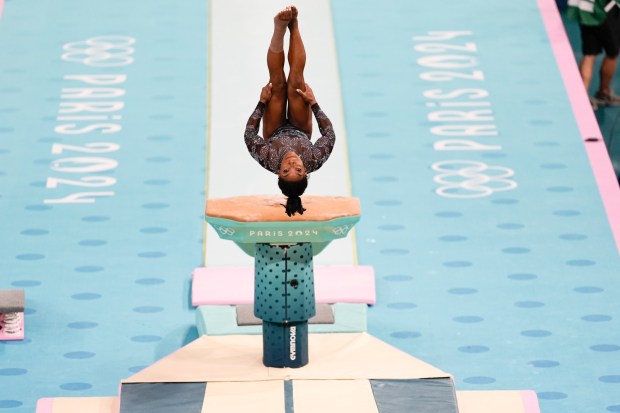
(286, 106)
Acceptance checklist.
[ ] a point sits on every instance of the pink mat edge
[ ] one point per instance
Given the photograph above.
(197, 302)
(45, 405)
(588, 126)
(14, 337)
(230, 268)
(530, 401)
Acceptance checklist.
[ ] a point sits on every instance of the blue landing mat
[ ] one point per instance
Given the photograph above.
(496, 264)
(107, 282)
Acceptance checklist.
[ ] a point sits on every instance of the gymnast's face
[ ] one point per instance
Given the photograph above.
(292, 169)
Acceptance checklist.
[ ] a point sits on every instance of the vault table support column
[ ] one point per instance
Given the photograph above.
(284, 300)
(283, 249)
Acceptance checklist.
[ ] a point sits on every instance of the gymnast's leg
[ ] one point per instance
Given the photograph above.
(299, 112)
(275, 113)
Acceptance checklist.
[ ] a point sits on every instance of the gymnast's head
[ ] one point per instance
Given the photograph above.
(293, 191)
(292, 168)
(292, 180)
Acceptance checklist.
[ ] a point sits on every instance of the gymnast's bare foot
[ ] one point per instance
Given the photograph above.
(283, 18)
(280, 23)
(294, 13)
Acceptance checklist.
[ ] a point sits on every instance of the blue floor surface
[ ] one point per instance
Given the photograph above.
(494, 258)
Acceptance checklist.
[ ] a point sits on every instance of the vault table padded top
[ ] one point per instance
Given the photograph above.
(268, 208)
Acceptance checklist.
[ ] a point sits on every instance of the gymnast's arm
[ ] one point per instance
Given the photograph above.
(253, 141)
(257, 146)
(322, 148)
(328, 138)
(251, 128)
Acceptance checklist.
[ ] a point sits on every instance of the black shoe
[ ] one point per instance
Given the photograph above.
(605, 99)
(593, 103)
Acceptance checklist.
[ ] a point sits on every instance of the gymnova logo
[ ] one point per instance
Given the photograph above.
(471, 179)
(101, 51)
(293, 343)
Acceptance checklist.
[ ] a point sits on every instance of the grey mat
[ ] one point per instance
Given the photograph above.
(246, 317)
(415, 396)
(162, 397)
(11, 301)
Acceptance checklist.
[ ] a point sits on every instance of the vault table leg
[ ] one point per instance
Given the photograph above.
(284, 300)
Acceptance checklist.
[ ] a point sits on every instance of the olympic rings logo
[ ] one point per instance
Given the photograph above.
(342, 230)
(101, 51)
(471, 179)
(225, 230)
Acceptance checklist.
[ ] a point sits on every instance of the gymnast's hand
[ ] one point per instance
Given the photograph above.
(308, 95)
(265, 94)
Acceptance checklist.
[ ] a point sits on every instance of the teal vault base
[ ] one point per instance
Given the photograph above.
(284, 300)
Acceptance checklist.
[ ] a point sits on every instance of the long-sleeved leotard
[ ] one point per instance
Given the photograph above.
(269, 153)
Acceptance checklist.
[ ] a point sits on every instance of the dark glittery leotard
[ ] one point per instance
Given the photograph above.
(269, 153)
